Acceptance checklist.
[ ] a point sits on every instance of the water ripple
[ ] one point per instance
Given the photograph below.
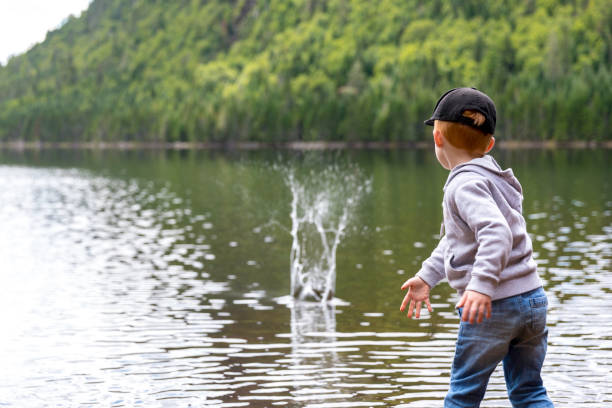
(108, 300)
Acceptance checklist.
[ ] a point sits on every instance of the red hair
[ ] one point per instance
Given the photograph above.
(466, 137)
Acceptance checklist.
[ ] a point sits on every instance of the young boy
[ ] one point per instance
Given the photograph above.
(486, 255)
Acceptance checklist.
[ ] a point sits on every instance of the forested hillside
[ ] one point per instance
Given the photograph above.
(286, 70)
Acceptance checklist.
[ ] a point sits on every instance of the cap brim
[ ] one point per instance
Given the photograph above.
(430, 122)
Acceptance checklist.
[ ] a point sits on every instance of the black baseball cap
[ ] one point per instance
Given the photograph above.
(453, 103)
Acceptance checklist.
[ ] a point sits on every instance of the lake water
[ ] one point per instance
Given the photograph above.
(160, 279)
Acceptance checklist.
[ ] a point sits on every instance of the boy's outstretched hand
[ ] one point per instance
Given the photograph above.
(474, 304)
(418, 292)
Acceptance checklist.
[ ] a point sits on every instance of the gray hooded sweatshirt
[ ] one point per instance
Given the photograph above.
(485, 247)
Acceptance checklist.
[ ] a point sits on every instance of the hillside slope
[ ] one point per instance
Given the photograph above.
(283, 70)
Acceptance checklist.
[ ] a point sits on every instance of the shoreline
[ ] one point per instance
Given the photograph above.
(321, 145)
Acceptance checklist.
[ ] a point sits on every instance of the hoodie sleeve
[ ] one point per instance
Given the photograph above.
(432, 269)
(476, 207)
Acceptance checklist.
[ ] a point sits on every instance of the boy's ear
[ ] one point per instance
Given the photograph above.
(438, 139)
(491, 144)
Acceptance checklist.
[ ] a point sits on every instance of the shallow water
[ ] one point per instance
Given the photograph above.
(159, 279)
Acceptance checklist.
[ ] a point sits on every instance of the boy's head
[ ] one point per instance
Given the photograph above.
(466, 118)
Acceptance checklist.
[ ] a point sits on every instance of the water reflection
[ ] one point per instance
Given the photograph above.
(311, 322)
(98, 283)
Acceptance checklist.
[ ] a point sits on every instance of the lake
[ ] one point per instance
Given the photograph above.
(161, 278)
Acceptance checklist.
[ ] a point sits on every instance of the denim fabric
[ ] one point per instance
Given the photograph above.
(516, 334)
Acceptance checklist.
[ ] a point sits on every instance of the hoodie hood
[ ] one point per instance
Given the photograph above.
(487, 167)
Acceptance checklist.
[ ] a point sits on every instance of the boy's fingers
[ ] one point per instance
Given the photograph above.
(466, 311)
(488, 310)
(410, 309)
(406, 284)
(405, 302)
(429, 308)
(473, 313)
(481, 313)
(461, 302)
(472, 310)
(418, 309)
(408, 297)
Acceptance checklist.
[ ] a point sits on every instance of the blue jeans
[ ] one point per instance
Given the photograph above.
(516, 334)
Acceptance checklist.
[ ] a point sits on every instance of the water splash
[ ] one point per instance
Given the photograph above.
(322, 206)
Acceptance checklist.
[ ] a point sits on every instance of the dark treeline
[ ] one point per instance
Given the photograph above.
(288, 70)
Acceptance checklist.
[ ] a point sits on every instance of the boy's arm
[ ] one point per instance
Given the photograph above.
(476, 207)
(432, 269)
